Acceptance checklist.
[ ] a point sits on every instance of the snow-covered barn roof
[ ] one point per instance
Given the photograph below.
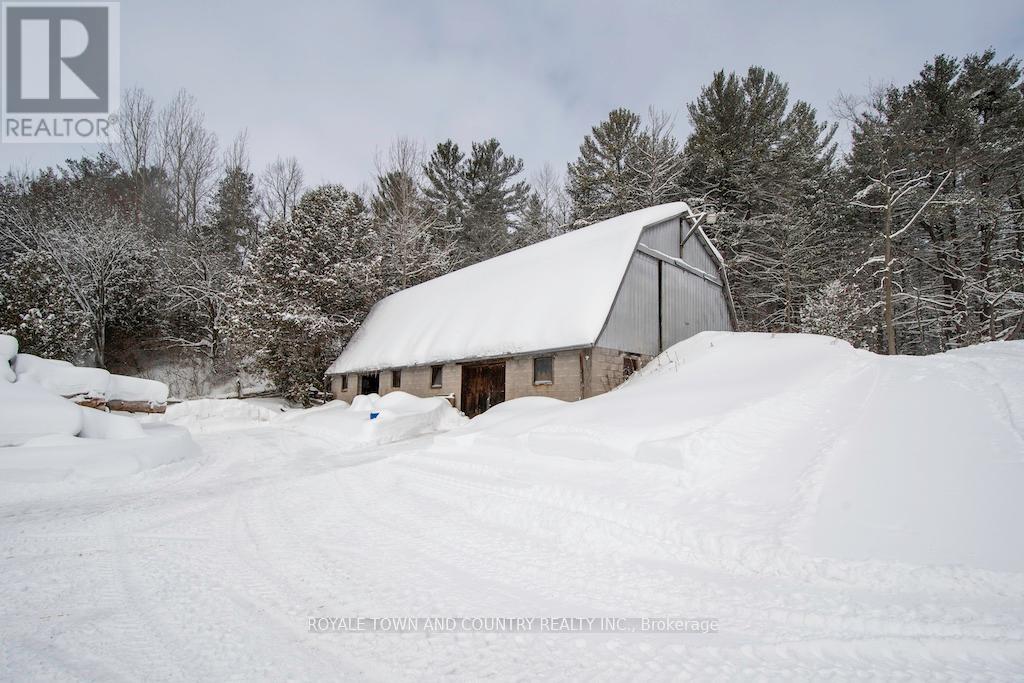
(555, 294)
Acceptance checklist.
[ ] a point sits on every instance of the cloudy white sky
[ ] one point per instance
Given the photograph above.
(332, 82)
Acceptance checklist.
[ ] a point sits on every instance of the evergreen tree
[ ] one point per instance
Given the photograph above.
(445, 188)
(312, 282)
(494, 200)
(233, 223)
(416, 248)
(934, 174)
(535, 224)
(36, 307)
(603, 182)
(477, 199)
(766, 169)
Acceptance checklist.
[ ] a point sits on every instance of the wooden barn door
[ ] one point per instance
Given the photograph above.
(483, 386)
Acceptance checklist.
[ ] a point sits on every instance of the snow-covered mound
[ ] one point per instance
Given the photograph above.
(45, 436)
(798, 443)
(28, 411)
(211, 414)
(377, 419)
(395, 416)
(373, 419)
(64, 379)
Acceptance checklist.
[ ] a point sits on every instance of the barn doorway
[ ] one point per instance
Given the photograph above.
(483, 386)
(369, 383)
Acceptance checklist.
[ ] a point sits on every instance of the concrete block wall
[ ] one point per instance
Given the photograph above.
(606, 369)
(566, 384)
(602, 371)
(345, 394)
(415, 381)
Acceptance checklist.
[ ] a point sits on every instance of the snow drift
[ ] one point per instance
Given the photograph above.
(64, 379)
(797, 442)
(375, 419)
(45, 436)
(396, 416)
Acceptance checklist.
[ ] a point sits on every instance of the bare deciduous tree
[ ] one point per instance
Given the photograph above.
(189, 157)
(281, 186)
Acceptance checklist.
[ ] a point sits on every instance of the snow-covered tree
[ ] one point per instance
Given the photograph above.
(657, 162)
(36, 308)
(233, 224)
(840, 310)
(765, 169)
(312, 281)
(416, 245)
(197, 281)
(103, 264)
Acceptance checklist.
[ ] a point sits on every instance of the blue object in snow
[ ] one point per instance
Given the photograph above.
(373, 416)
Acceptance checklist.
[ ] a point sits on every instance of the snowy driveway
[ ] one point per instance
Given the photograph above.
(211, 570)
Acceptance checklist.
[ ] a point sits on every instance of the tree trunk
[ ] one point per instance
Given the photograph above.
(890, 328)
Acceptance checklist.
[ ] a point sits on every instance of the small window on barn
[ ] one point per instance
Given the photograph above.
(396, 379)
(630, 364)
(543, 370)
(344, 382)
(436, 375)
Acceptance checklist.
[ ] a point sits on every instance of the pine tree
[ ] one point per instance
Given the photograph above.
(445, 188)
(233, 223)
(603, 181)
(494, 200)
(766, 169)
(416, 248)
(477, 199)
(934, 173)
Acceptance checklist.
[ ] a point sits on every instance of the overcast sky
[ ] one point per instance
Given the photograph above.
(333, 82)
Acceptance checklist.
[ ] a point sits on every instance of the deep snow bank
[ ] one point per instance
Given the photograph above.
(45, 436)
(64, 379)
(397, 416)
(212, 414)
(797, 442)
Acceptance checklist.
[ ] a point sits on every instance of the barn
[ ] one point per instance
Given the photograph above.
(569, 318)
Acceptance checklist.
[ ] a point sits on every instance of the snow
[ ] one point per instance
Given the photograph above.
(490, 309)
(123, 388)
(398, 416)
(209, 414)
(111, 451)
(840, 514)
(28, 411)
(8, 350)
(46, 437)
(62, 378)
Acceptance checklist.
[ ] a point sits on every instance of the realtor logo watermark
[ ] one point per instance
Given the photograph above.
(61, 71)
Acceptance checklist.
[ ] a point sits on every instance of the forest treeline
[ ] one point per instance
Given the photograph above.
(168, 242)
